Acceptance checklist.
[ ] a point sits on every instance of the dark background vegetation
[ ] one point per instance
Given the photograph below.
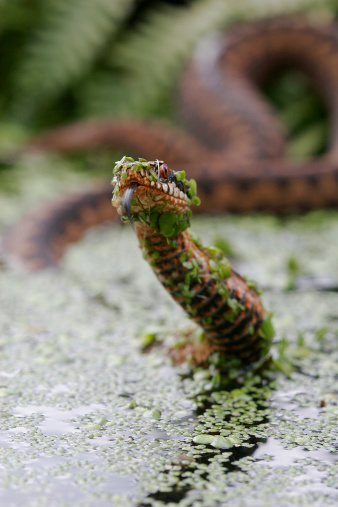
(62, 60)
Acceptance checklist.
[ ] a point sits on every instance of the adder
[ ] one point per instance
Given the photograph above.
(234, 148)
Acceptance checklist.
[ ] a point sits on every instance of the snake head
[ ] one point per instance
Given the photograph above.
(153, 194)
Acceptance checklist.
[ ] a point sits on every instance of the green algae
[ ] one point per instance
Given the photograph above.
(82, 406)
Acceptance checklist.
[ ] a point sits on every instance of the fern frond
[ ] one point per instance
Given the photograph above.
(63, 49)
(153, 54)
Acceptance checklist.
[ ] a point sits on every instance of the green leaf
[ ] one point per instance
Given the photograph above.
(223, 245)
(214, 252)
(192, 188)
(224, 268)
(267, 329)
(221, 442)
(154, 175)
(203, 439)
(167, 223)
(180, 175)
(223, 291)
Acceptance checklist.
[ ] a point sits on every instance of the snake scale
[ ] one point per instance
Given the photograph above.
(157, 200)
(234, 147)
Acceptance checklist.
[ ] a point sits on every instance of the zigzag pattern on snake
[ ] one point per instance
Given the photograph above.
(236, 146)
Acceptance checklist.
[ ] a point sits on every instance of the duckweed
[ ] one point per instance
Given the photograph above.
(77, 416)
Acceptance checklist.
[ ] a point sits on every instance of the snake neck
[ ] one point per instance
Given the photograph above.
(210, 291)
(180, 265)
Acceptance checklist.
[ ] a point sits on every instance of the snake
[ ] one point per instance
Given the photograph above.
(157, 200)
(232, 144)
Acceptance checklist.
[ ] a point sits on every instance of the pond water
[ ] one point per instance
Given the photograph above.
(88, 419)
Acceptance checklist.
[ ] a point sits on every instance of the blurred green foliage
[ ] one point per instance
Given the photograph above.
(67, 59)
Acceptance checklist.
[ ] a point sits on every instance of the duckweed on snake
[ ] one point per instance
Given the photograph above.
(201, 280)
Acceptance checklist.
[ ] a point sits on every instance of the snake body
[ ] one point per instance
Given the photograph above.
(236, 153)
(228, 309)
(236, 146)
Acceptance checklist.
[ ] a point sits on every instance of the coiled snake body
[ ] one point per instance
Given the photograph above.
(235, 151)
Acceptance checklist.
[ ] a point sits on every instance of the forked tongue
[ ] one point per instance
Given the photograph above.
(126, 200)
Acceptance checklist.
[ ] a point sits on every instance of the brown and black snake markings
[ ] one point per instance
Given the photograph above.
(234, 145)
(157, 202)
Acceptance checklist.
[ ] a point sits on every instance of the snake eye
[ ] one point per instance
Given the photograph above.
(164, 171)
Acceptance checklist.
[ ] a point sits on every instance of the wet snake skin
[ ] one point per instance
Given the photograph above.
(157, 202)
(234, 145)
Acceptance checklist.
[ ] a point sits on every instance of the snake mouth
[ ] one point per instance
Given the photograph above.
(137, 193)
(144, 188)
(169, 188)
